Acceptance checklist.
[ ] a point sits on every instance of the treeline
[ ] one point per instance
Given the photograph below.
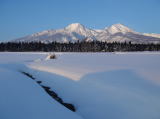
(95, 46)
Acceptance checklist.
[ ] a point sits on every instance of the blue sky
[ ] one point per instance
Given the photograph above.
(22, 17)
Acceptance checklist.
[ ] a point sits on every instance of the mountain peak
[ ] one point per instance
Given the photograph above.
(118, 28)
(76, 31)
(74, 26)
(118, 25)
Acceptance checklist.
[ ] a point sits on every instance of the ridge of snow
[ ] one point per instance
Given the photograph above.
(77, 31)
(75, 26)
(118, 28)
(152, 35)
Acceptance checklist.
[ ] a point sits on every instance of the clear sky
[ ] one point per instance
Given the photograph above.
(23, 17)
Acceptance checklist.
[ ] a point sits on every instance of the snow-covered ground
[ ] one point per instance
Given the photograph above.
(21, 97)
(99, 85)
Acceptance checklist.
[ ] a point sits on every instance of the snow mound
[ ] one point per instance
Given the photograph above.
(51, 56)
(22, 98)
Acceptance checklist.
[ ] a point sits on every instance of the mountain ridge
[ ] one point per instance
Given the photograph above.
(77, 32)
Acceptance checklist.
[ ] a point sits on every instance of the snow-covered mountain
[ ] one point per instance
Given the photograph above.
(77, 31)
(152, 35)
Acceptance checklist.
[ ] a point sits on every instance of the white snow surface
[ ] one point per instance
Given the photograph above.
(100, 85)
(23, 98)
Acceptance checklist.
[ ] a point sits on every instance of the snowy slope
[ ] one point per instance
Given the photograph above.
(72, 32)
(22, 98)
(152, 35)
(100, 85)
(106, 85)
(77, 31)
(116, 28)
(121, 33)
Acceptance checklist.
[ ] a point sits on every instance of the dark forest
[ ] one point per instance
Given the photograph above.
(94, 46)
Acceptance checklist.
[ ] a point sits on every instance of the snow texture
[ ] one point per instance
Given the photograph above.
(23, 98)
(100, 85)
